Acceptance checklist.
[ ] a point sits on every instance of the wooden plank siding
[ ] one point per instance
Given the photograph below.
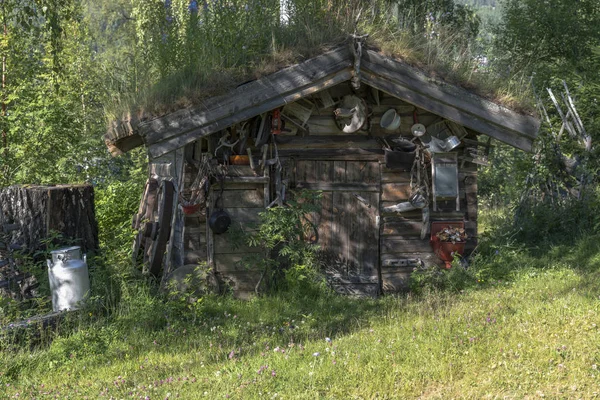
(347, 227)
(361, 243)
(400, 232)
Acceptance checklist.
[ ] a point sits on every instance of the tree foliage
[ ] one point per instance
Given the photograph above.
(539, 44)
(53, 96)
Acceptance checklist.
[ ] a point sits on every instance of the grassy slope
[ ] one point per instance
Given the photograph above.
(533, 335)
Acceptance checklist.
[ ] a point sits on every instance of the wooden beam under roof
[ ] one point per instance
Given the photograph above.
(447, 101)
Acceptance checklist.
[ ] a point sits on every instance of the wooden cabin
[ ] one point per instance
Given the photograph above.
(381, 195)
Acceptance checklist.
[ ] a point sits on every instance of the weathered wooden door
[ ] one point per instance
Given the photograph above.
(348, 221)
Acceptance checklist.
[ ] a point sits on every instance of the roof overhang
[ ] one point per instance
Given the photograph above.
(175, 130)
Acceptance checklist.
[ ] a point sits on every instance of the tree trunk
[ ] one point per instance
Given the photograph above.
(41, 212)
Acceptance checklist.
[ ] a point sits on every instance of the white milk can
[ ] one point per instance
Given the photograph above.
(69, 278)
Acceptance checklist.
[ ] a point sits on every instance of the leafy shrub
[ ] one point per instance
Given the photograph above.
(287, 234)
(558, 222)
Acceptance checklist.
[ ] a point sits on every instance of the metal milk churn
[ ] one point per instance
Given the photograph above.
(69, 279)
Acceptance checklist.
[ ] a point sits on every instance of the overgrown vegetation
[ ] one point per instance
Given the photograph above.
(244, 40)
(520, 321)
(526, 327)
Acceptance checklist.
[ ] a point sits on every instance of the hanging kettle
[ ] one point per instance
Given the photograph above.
(219, 220)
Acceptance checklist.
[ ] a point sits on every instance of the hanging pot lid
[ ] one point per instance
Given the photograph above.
(418, 130)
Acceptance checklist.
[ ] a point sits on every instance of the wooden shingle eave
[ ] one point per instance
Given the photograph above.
(448, 101)
(175, 130)
(170, 132)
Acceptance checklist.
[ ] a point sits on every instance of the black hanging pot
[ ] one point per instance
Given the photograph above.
(219, 221)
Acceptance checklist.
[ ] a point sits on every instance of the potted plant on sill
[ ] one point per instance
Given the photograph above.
(450, 241)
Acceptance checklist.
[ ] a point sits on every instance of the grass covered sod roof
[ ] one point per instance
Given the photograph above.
(227, 104)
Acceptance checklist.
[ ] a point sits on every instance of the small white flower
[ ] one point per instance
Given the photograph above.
(328, 340)
(317, 354)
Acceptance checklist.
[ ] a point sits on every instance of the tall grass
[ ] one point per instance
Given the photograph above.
(531, 334)
(195, 55)
(521, 321)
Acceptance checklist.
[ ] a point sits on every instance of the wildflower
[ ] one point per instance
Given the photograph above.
(317, 354)
(594, 366)
(328, 340)
(231, 355)
(273, 374)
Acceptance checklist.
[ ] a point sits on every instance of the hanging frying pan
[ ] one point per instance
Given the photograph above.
(219, 220)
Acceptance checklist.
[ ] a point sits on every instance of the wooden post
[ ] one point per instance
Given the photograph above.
(210, 240)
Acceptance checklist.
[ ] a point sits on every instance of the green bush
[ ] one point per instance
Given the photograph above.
(287, 234)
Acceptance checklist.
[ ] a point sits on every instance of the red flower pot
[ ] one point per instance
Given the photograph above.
(446, 251)
(190, 209)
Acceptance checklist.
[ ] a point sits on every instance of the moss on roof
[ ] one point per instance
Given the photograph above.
(442, 57)
(188, 88)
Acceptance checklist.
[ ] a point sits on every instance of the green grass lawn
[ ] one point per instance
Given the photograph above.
(534, 334)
